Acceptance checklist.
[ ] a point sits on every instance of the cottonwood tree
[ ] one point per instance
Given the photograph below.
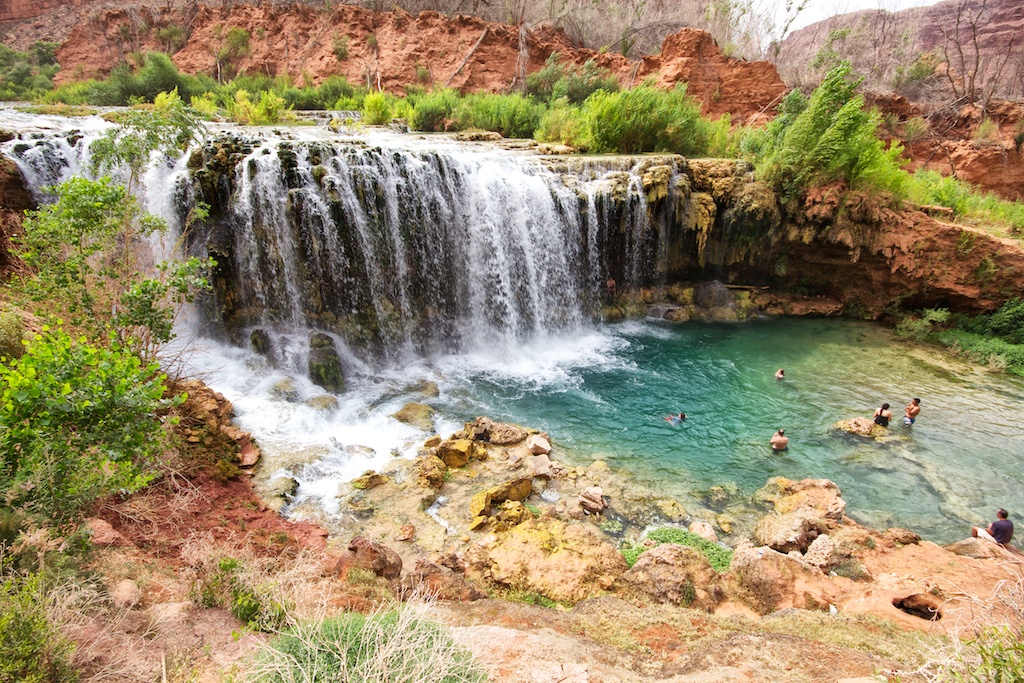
(974, 73)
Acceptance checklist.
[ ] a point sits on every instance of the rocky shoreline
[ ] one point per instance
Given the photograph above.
(491, 511)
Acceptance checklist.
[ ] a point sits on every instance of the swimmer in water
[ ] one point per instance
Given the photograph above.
(779, 441)
(675, 419)
(780, 374)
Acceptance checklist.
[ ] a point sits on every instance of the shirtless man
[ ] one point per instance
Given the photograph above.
(911, 412)
(676, 419)
(780, 374)
(883, 415)
(779, 441)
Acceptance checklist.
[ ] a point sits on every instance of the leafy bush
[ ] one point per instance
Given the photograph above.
(997, 353)
(996, 656)
(432, 109)
(826, 138)
(12, 333)
(31, 648)
(514, 116)
(254, 604)
(561, 123)
(26, 75)
(401, 646)
(644, 119)
(377, 109)
(573, 83)
(269, 110)
(919, 327)
(77, 422)
(719, 557)
(930, 187)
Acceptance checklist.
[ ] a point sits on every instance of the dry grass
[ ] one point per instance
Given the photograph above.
(399, 644)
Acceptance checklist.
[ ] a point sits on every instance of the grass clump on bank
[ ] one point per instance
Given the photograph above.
(994, 339)
(719, 557)
(402, 645)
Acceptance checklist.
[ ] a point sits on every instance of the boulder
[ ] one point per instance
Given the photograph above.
(101, 533)
(978, 548)
(126, 594)
(788, 532)
(406, 532)
(819, 497)
(432, 442)
(261, 344)
(861, 426)
(592, 500)
(457, 452)
(711, 295)
(279, 492)
(440, 583)
(540, 466)
(325, 403)
(369, 480)
(704, 530)
(517, 489)
(766, 581)
(897, 536)
(671, 509)
(564, 562)
(370, 555)
(497, 433)
(821, 553)
(431, 472)
(538, 444)
(416, 415)
(285, 389)
(680, 575)
(324, 364)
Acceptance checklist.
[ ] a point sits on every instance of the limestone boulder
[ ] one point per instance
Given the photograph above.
(671, 573)
(497, 433)
(439, 582)
(704, 530)
(564, 562)
(538, 444)
(788, 532)
(818, 497)
(324, 403)
(978, 548)
(458, 452)
(418, 415)
(101, 533)
(766, 581)
(369, 555)
(431, 472)
(541, 466)
(861, 426)
(592, 500)
(822, 553)
(369, 480)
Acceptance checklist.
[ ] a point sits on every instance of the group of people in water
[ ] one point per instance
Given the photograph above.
(999, 531)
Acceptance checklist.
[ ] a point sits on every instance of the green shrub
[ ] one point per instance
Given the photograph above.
(401, 646)
(996, 655)
(570, 82)
(561, 123)
(77, 422)
(228, 587)
(31, 648)
(644, 119)
(514, 116)
(27, 75)
(930, 187)
(377, 109)
(997, 353)
(432, 109)
(12, 333)
(719, 557)
(829, 137)
(920, 326)
(341, 48)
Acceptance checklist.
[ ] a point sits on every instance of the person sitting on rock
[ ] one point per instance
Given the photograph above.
(883, 415)
(779, 441)
(999, 531)
(676, 419)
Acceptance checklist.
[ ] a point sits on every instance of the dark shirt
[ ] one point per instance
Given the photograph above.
(1002, 531)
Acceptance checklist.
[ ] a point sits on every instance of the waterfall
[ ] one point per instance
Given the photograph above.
(417, 249)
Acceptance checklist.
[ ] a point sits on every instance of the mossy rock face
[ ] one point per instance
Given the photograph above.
(417, 415)
(324, 365)
(261, 344)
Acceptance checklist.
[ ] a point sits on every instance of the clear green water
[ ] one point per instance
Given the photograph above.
(604, 395)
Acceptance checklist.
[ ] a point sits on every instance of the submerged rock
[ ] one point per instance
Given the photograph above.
(325, 403)
(861, 426)
(416, 415)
